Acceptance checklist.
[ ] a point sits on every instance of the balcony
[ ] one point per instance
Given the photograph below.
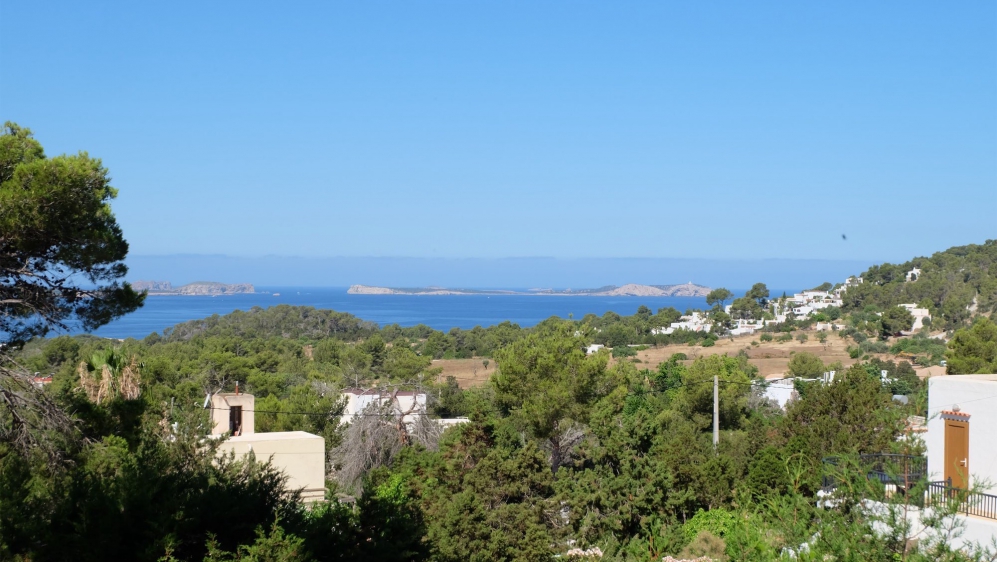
(970, 503)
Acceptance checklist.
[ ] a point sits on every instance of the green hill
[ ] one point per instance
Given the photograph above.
(954, 284)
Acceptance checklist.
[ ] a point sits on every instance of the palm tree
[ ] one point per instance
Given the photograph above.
(116, 377)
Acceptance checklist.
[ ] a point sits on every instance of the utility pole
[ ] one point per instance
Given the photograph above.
(716, 412)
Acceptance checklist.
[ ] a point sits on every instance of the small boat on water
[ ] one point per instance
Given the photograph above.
(276, 294)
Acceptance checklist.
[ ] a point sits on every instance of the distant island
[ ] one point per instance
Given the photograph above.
(629, 290)
(201, 288)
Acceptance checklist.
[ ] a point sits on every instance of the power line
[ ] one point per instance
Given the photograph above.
(329, 414)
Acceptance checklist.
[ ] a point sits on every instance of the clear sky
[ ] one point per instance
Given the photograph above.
(573, 129)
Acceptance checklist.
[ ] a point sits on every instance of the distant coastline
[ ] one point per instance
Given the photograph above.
(628, 290)
(197, 288)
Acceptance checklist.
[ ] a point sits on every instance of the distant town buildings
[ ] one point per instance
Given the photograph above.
(695, 322)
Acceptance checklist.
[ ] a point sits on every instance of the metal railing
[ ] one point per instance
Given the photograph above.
(902, 471)
(970, 503)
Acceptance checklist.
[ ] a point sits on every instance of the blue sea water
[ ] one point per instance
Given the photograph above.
(440, 312)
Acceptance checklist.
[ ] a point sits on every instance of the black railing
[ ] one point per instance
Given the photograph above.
(970, 503)
(902, 471)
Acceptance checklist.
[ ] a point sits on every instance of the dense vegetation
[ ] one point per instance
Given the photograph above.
(562, 451)
(953, 284)
(565, 455)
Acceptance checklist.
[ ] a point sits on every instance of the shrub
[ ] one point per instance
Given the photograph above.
(806, 365)
(802, 338)
(785, 338)
(624, 351)
(870, 346)
(706, 545)
(718, 522)
(709, 342)
(678, 357)
(766, 337)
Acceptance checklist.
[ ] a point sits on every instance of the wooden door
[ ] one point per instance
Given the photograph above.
(957, 453)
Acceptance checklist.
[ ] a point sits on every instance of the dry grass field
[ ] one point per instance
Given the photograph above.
(771, 358)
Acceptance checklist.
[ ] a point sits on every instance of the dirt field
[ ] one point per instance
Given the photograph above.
(771, 358)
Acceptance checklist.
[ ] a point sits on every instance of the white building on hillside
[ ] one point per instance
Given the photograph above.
(919, 314)
(695, 322)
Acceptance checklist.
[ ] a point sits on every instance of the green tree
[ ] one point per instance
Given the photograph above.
(546, 383)
(61, 250)
(853, 414)
(973, 350)
(760, 293)
(718, 297)
(895, 319)
(745, 308)
(805, 365)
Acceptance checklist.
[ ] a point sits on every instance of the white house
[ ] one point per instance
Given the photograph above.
(781, 391)
(408, 404)
(594, 348)
(299, 455)
(962, 445)
(913, 274)
(919, 314)
(695, 322)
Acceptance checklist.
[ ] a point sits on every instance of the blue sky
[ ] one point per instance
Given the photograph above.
(574, 129)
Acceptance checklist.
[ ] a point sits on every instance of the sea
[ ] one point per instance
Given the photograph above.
(441, 312)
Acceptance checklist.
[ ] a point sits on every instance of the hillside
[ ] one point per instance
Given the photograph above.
(953, 284)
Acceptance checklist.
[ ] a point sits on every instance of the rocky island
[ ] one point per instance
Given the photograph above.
(198, 288)
(628, 290)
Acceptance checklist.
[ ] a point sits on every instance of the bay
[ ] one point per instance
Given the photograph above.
(441, 312)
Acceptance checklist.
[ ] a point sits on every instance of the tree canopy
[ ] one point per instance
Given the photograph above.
(61, 250)
(973, 350)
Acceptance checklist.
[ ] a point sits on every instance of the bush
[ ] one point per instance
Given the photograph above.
(870, 346)
(785, 338)
(718, 522)
(766, 337)
(624, 351)
(802, 338)
(854, 352)
(678, 357)
(707, 545)
(709, 342)
(805, 365)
